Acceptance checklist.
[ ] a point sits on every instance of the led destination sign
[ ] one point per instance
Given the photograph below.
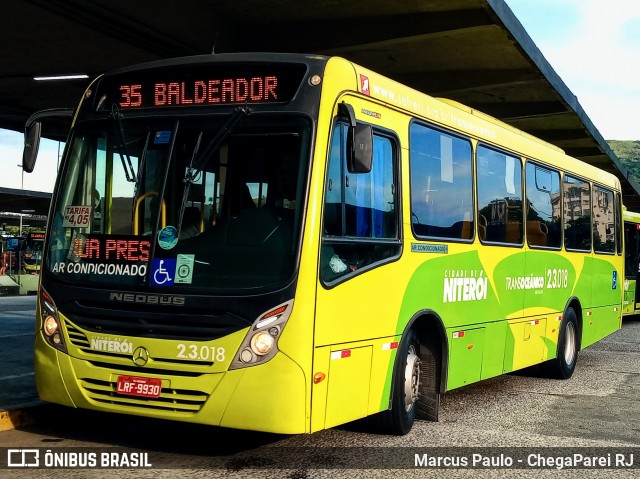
(227, 90)
(110, 249)
(202, 85)
(106, 256)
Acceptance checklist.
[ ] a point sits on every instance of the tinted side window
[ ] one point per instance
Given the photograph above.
(543, 207)
(360, 225)
(441, 184)
(577, 214)
(619, 223)
(499, 197)
(604, 239)
(632, 249)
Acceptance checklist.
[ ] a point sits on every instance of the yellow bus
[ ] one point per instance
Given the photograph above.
(287, 243)
(631, 304)
(32, 252)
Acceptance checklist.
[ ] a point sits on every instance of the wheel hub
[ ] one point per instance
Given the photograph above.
(411, 378)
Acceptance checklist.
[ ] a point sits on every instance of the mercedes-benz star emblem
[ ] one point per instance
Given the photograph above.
(140, 356)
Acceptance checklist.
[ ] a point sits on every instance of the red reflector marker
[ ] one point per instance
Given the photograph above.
(345, 353)
(388, 346)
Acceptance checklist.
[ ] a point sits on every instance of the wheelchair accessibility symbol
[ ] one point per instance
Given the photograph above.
(163, 272)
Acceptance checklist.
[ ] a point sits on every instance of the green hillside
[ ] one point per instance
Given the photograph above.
(629, 154)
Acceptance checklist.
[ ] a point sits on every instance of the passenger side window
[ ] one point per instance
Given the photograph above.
(441, 184)
(619, 230)
(544, 227)
(604, 239)
(577, 214)
(360, 224)
(632, 250)
(499, 197)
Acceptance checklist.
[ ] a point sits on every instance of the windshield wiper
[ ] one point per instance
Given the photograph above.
(199, 161)
(141, 163)
(129, 171)
(192, 173)
(222, 134)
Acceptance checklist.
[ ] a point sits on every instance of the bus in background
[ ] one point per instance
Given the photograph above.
(287, 243)
(32, 252)
(631, 304)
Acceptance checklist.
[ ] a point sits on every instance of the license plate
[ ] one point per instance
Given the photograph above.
(137, 386)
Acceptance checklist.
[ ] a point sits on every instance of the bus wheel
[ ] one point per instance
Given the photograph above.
(564, 364)
(406, 388)
(428, 405)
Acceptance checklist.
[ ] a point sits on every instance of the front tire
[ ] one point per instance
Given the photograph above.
(406, 388)
(563, 366)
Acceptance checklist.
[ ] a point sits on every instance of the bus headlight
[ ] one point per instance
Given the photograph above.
(261, 342)
(50, 325)
(51, 322)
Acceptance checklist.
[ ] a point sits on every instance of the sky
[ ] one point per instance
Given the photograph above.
(593, 45)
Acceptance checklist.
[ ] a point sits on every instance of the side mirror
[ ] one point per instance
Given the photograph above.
(361, 149)
(359, 142)
(33, 133)
(31, 145)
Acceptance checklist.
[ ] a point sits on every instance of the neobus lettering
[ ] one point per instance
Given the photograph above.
(147, 298)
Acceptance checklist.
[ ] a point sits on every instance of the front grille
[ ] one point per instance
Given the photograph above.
(173, 366)
(170, 400)
(77, 337)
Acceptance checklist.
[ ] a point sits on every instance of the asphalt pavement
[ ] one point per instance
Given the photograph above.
(17, 382)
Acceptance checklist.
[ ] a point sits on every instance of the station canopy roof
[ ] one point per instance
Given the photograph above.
(32, 205)
(472, 51)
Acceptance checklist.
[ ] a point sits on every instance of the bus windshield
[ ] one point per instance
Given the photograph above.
(201, 203)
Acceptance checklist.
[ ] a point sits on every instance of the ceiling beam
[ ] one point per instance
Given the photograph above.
(116, 25)
(455, 83)
(361, 32)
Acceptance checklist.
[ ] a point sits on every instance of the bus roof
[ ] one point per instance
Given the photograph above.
(631, 216)
(473, 123)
